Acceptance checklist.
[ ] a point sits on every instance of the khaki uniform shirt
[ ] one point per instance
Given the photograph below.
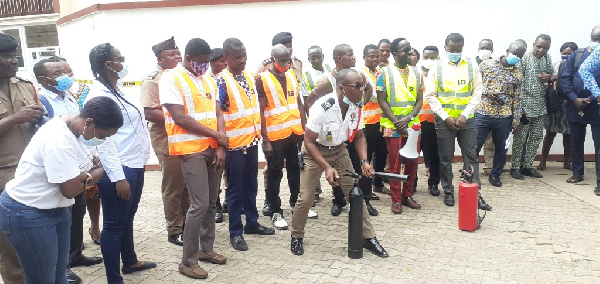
(14, 141)
(149, 98)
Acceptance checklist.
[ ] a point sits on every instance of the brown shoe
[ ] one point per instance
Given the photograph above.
(487, 172)
(375, 196)
(382, 189)
(211, 257)
(410, 202)
(396, 208)
(193, 271)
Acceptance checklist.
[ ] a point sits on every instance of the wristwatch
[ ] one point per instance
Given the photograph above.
(89, 181)
(364, 161)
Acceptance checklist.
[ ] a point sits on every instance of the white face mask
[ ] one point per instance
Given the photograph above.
(485, 54)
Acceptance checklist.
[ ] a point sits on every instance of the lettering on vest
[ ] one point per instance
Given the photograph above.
(462, 82)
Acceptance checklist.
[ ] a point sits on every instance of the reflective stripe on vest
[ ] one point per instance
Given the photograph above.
(372, 111)
(454, 90)
(242, 119)
(309, 80)
(282, 116)
(400, 96)
(426, 114)
(199, 103)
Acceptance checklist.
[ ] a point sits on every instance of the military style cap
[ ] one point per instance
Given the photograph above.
(282, 38)
(165, 45)
(217, 53)
(7, 43)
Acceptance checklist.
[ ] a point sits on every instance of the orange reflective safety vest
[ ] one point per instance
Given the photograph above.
(242, 120)
(372, 111)
(281, 113)
(199, 96)
(426, 114)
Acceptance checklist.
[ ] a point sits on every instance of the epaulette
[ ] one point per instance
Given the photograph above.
(24, 80)
(267, 61)
(152, 75)
(328, 104)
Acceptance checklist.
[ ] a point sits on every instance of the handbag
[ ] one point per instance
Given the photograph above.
(552, 100)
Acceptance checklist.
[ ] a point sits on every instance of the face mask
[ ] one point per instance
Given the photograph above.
(349, 102)
(564, 56)
(92, 142)
(512, 59)
(426, 63)
(72, 79)
(485, 54)
(454, 57)
(280, 68)
(594, 44)
(123, 71)
(199, 68)
(63, 83)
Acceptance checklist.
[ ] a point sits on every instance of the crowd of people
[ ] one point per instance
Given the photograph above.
(67, 147)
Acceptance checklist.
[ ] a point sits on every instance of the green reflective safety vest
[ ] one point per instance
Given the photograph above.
(400, 96)
(308, 79)
(454, 90)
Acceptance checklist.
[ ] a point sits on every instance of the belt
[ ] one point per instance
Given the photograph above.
(327, 147)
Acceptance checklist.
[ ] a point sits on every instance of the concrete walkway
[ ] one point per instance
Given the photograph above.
(540, 231)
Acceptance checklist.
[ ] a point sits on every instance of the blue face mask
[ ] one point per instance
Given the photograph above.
(512, 59)
(63, 82)
(594, 44)
(564, 56)
(92, 142)
(454, 57)
(349, 102)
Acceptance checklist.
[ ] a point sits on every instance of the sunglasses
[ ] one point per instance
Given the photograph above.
(357, 86)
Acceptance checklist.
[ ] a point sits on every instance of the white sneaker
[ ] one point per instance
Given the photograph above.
(279, 222)
(312, 214)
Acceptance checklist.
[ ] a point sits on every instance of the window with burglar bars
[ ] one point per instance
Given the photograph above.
(12, 8)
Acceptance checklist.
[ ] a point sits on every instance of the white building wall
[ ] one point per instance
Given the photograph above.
(326, 23)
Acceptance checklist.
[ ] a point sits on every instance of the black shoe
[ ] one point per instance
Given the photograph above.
(238, 243)
(260, 230)
(266, 211)
(495, 181)
(336, 210)
(297, 246)
(516, 174)
(434, 190)
(449, 199)
(483, 205)
(373, 245)
(82, 260)
(176, 239)
(219, 216)
(597, 191)
(72, 277)
(147, 265)
(372, 211)
(531, 172)
(225, 205)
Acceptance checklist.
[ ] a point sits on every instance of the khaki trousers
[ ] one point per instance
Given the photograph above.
(203, 188)
(174, 192)
(310, 176)
(488, 151)
(10, 269)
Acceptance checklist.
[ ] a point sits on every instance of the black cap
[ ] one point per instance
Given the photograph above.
(217, 53)
(282, 38)
(165, 45)
(8, 43)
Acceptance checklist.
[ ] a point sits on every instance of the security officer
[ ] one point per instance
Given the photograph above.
(174, 192)
(19, 108)
(335, 118)
(453, 89)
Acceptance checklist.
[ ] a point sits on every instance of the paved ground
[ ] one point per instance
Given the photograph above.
(540, 231)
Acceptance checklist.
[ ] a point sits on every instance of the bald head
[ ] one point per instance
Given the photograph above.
(596, 34)
(517, 48)
(280, 50)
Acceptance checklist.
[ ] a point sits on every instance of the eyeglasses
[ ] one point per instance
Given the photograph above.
(357, 86)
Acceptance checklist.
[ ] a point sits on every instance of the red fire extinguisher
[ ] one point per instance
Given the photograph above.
(468, 207)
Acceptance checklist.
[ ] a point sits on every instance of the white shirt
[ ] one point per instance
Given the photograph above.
(53, 156)
(60, 106)
(326, 120)
(130, 147)
(315, 75)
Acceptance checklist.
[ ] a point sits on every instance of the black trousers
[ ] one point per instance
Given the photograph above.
(77, 213)
(578, 132)
(429, 146)
(376, 145)
(364, 183)
(284, 149)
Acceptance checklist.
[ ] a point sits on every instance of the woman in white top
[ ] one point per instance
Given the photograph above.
(124, 157)
(56, 166)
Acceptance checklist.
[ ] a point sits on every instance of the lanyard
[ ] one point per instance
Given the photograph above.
(351, 137)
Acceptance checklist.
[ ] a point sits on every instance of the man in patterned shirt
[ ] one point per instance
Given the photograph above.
(537, 70)
(500, 108)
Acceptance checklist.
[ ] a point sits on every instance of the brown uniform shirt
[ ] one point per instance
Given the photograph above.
(149, 98)
(296, 67)
(14, 141)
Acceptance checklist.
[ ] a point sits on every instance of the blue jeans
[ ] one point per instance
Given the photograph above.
(117, 232)
(40, 237)
(500, 128)
(242, 170)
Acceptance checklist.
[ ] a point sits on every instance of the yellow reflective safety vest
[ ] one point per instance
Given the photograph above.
(455, 86)
(371, 110)
(310, 78)
(281, 113)
(400, 96)
(199, 95)
(242, 119)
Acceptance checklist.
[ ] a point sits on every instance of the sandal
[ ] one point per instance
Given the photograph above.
(575, 179)
(96, 241)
